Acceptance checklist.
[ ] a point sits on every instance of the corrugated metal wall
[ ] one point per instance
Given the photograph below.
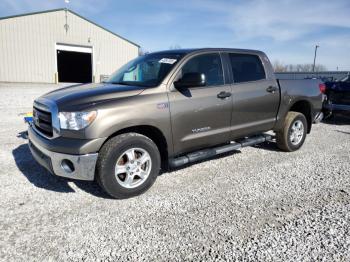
(28, 51)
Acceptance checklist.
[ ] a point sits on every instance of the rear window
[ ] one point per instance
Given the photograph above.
(246, 68)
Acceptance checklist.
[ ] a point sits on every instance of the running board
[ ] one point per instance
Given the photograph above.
(211, 152)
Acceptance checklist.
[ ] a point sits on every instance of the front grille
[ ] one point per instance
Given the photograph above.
(43, 121)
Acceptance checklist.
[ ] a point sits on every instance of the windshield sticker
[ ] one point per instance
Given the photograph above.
(167, 61)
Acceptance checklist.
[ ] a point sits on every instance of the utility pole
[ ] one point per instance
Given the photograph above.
(313, 68)
(66, 26)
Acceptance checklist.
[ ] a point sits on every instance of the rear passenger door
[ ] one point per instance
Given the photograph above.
(255, 97)
(201, 116)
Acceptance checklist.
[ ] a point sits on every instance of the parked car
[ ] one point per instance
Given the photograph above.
(168, 109)
(338, 96)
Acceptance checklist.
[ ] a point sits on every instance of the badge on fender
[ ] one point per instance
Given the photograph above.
(162, 105)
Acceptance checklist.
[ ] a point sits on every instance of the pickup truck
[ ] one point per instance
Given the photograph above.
(338, 96)
(167, 109)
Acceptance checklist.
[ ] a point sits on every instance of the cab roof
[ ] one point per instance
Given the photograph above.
(195, 50)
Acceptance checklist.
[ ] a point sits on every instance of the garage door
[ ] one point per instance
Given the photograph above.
(74, 64)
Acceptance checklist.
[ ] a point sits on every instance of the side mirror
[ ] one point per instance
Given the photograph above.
(191, 80)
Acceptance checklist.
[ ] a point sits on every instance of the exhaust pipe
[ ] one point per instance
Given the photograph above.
(319, 117)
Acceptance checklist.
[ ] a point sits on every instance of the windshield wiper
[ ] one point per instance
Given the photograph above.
(118, 83)
(125, 83)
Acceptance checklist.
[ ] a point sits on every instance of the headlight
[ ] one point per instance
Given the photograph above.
(76, 120)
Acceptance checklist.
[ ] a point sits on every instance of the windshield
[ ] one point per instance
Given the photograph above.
(148, 70)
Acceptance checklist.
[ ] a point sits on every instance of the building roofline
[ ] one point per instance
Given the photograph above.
(63, 9)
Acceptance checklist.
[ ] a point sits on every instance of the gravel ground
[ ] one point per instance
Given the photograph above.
(258, 204)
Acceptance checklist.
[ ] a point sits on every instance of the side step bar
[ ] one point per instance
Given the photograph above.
(211, 152)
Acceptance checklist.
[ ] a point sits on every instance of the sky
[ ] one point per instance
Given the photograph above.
(286, 30)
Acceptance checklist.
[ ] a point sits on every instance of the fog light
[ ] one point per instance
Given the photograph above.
(67, 166)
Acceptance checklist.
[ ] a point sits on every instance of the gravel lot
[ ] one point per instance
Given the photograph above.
(255, 204)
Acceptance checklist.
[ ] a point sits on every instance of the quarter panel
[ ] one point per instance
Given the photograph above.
(293, 91)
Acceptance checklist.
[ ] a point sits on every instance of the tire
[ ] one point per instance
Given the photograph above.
(285, 140)
(128, 178)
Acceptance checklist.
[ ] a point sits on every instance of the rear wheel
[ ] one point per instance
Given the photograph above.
(128, 165)
(292, 136)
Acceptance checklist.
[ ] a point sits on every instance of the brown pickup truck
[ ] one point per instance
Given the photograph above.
(167, 109)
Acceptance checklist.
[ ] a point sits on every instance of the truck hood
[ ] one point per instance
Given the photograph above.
(90, 94)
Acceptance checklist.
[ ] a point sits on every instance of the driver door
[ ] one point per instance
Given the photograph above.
(201, 116)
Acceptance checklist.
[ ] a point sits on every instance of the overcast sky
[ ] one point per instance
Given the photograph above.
(287, 30)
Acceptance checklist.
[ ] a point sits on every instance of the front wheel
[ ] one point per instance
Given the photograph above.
(128, 165)
(292, 136)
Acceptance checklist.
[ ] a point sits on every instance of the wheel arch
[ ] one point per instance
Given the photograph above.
(304, 107)
(151, 132)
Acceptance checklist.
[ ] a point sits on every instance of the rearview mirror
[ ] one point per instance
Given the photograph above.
(191, 80)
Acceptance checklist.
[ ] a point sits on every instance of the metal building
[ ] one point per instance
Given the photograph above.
(59, 46)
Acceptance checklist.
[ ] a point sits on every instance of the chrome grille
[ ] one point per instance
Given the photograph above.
(43, 121)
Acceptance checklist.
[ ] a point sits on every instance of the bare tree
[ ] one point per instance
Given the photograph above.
(320, 68)
(280, 67)
(174, 47)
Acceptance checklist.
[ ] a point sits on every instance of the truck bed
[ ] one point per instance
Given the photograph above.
(302, 91)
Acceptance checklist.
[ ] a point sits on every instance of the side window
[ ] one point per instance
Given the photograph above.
(246, 68)
(209, 65)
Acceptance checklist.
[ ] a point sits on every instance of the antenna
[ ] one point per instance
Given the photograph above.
(66, 26)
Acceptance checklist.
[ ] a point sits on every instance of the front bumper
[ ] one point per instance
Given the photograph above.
(81, 167)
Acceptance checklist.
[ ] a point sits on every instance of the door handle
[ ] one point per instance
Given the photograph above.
(223, 95)
(271, 89)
